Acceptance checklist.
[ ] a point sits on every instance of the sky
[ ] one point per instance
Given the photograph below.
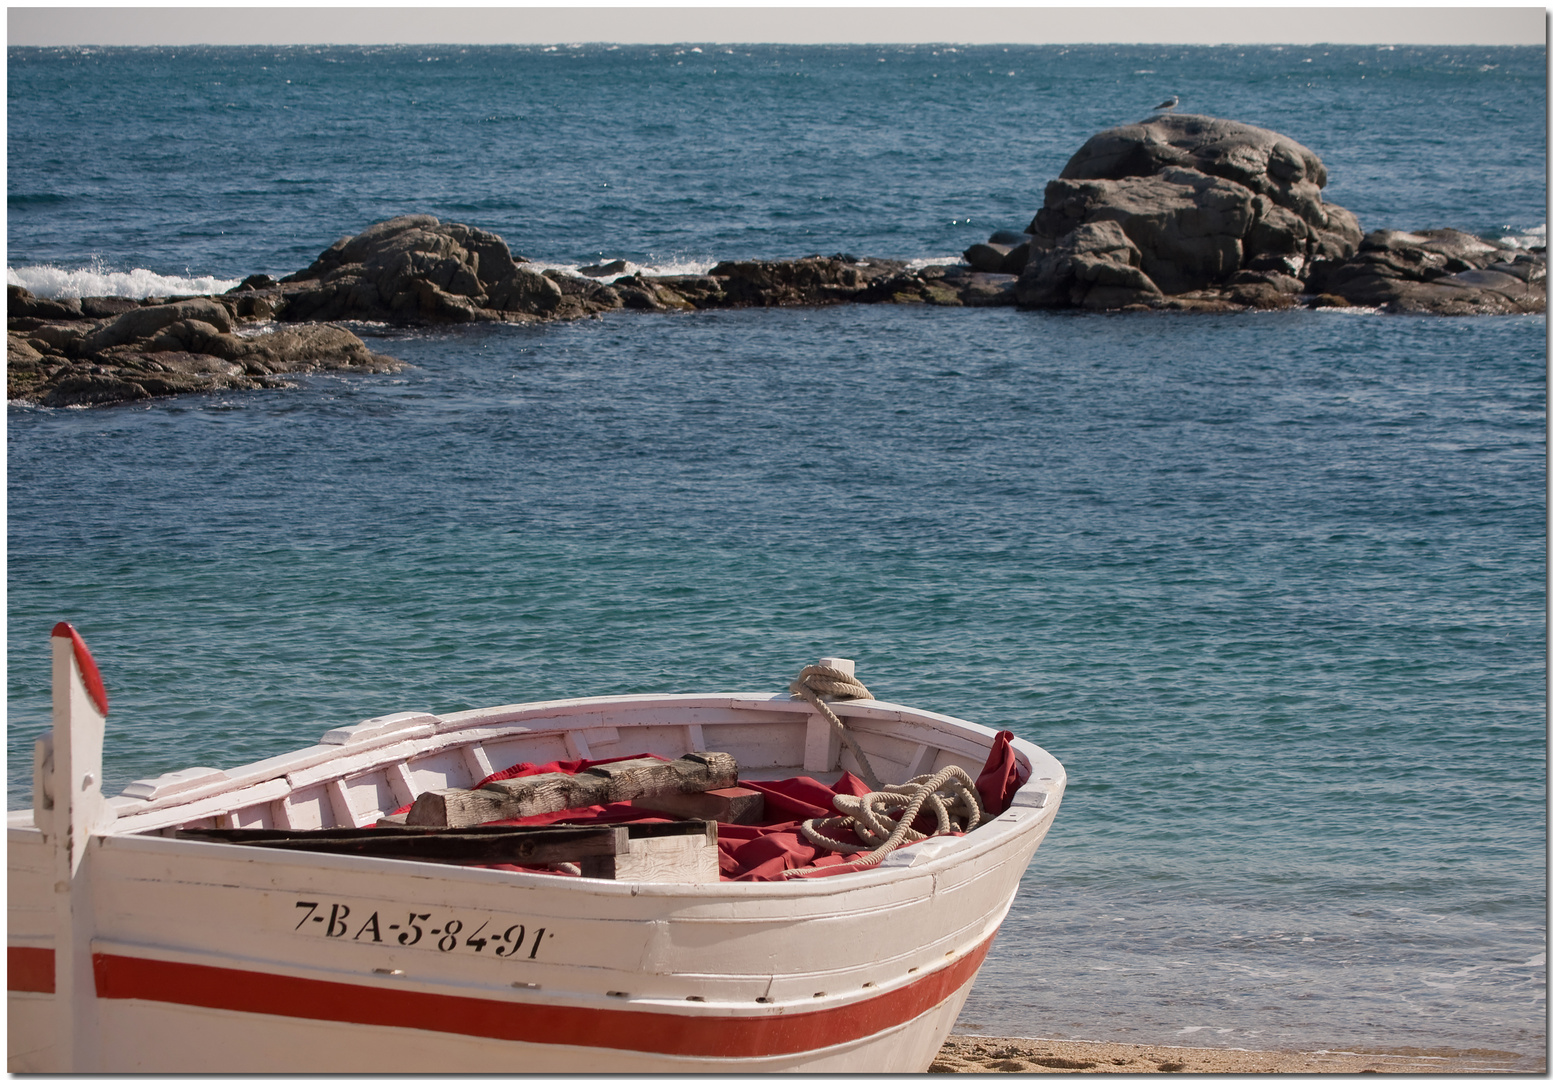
(289, 23)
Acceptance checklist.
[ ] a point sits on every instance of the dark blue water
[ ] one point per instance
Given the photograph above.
(1272, 586)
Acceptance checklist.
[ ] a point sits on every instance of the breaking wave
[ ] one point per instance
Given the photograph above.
(663, 269)
(1530, 238)
(56, 283)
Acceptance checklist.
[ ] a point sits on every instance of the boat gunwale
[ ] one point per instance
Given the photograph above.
(333, 761)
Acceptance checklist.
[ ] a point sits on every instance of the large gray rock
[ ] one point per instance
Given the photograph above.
(416, 269)
(293, 349)
(1262, 161)
(1094, 265)
(1187, 226)
(1201, 198)
(145, 323)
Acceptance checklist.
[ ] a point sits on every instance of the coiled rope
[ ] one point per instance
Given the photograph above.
(817, 679)
(883, 818)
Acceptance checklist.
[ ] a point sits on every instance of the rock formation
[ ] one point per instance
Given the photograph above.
(1195, 213)
(1174, 213)
(1203, 201)
(1436, 272)
(106, 349)
(411, 270)
(416, 270)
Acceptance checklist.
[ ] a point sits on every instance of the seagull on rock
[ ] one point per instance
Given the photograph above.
(1168, 104)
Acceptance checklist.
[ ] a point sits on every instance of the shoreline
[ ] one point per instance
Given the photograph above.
(987, 1053)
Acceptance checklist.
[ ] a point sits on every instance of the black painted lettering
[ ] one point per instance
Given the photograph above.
(311, 905)
(370, 924)
(405, 938)
(337, 918)
(476, 942)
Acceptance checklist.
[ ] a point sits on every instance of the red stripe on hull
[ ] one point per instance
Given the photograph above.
(618, 1029)
(29, 969)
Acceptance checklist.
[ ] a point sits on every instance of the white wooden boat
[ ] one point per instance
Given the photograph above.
(132, 950)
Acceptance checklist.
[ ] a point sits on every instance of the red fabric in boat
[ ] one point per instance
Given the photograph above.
(1001, 776)
(762, 852)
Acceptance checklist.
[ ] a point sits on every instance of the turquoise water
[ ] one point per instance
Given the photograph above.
(1271, 586)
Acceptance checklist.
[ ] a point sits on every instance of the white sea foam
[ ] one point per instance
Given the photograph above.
(1536, 236)
(663, 269)
(56, 283)
(684, 266)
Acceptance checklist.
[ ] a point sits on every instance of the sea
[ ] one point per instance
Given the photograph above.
(1272, 585)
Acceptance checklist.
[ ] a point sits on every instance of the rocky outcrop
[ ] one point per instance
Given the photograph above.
(410, 270)
(1200, 199)
(1185, 213)
(98, 350)
(416, 269)
(1216, 215)
(1263, 162)
(1436, 272)
(834, 279)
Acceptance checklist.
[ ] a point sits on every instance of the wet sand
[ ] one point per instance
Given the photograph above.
(980, 1053)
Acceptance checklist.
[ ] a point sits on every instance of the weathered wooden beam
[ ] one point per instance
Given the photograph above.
(544, 793)
(453, 807)
(731, 805)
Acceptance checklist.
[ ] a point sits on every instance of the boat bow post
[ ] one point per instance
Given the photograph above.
(68, 807)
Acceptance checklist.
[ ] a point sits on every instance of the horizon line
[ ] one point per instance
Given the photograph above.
(103, 27)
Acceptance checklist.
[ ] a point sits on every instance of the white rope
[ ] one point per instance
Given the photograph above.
(817, 679)
(883, 818)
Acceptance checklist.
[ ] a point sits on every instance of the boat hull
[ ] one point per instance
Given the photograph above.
(158, 1037)
(214, 958)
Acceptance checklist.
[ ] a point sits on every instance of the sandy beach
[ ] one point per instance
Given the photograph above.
(978, 1053)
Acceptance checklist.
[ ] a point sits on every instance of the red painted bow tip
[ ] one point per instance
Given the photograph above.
(83, 659)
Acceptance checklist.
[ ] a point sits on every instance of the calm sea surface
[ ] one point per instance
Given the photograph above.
(1271, 586)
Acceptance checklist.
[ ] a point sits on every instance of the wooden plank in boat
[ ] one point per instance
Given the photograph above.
(544, 793)
(731, 805)
(661, 851)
